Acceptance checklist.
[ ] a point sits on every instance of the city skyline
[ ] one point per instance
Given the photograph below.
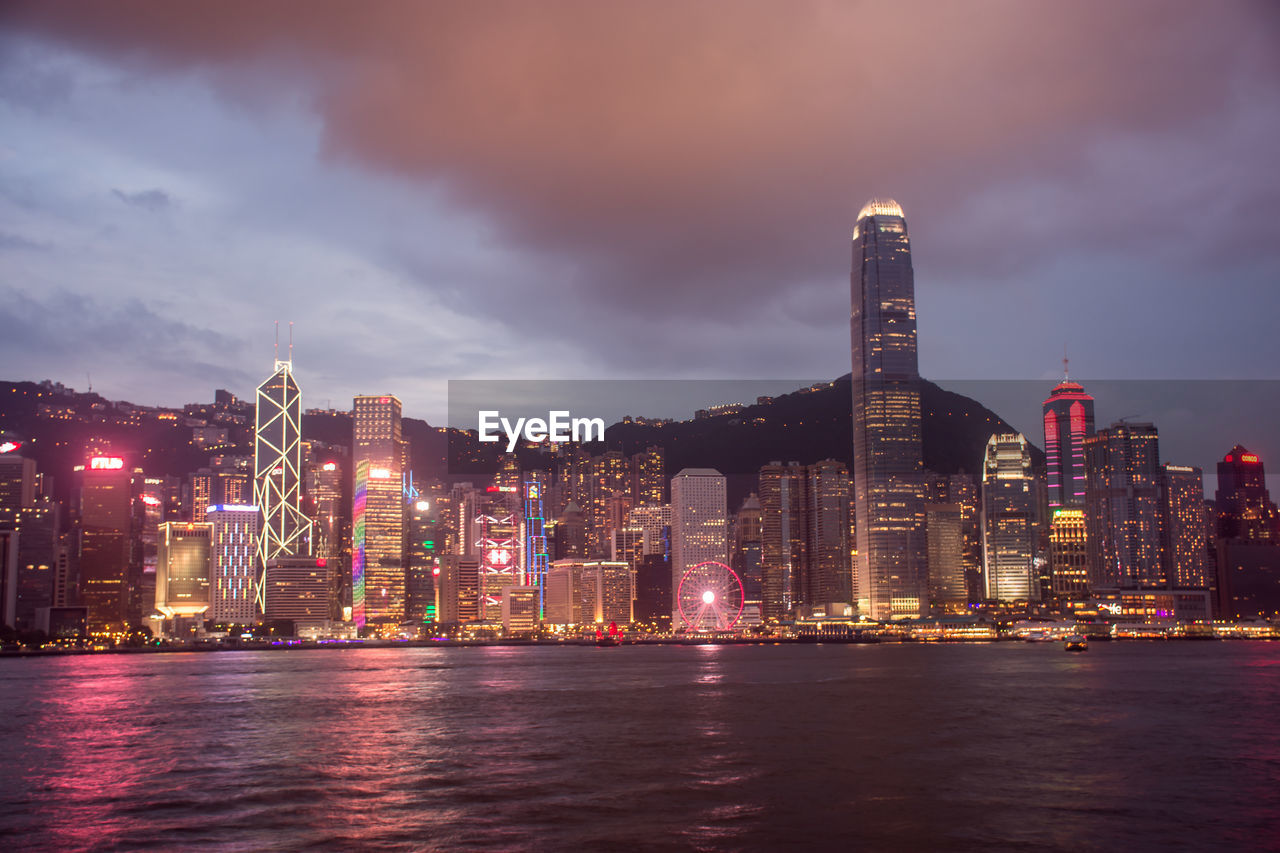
(1126, 182)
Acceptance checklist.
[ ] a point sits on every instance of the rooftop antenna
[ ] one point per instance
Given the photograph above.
(277, 350)
(89, 377)
(1065, 373)
(291, 342)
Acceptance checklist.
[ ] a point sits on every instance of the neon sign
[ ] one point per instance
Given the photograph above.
(1249, 457)
(106, 463)
(330, 466)
(380, 473)
(151, 500)
(10, 446)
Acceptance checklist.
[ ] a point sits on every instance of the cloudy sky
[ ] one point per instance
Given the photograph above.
(538, 189)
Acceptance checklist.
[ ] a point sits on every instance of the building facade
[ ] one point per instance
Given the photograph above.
(892, 569)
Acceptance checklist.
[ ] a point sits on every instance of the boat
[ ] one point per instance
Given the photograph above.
(613, 638)
(1076, 643)
(1039, 637)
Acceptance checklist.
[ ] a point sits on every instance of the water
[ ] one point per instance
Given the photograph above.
(1130, 746)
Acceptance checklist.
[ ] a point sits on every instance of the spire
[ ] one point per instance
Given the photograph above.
(291, 342)
(1066, 374)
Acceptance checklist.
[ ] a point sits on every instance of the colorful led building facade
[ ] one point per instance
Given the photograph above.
(277, 471)
(535, 542)
(379, 443)
(359, 504)
(234, 552)
(892, 567)
(1068, 420)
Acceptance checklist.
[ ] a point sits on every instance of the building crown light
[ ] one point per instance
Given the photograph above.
(881, 207)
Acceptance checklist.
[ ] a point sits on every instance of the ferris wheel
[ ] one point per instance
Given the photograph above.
(710, 597)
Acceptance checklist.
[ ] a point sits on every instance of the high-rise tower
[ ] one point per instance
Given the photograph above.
(378, 549)
(1068, 419)
(1009, 519)
(277, 470)
(892, 572)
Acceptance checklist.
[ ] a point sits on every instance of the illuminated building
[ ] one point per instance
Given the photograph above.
(590, 592)
(235, 569)
(1248, 543)
(827, 573)
(944, 527)
(285, 530)
(1008, 519)
(1068, 556)
(892, 572)
(104, 531)
(782, 537)
(380, 516)
(536, 557)
(571, 533)
(699, 525)
(519, 609)
(498, 550)
(748, 550)
(1245, 510)
(1183, 527)
(610, 477)
(297, 591)
(459, 589)
(35, 519)
(1122, 506)
(200, 484)
(426, 544)
(8, 578)
(1068, 419)
(649, 477)
(331, 523)
(183, 568)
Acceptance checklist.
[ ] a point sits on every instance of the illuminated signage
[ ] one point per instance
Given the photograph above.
(500, 489)
(384, 400)
(10, 446)
(106, 463)
(422, 506)
(321, 563)
(436, 571)
(330, 466)
(232, 508)
(498, 556)
(151, 500)
(380, 473)
(1249, 457)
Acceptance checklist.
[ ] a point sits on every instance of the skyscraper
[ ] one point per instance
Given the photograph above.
(1183, 527)
(277, 471)
(887, 456)
(827, 575)
(104, 527)
(1009, 519)
(699, 526)
(782, 537)
(183, 563)
(379, 517)
(1245, 510)
(1068, 555)
(234, 581)
(1068, 419)
(1122, 505)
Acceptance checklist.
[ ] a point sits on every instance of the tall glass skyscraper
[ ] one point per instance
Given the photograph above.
(1009, 526)
(892, 571)
(277, 471)
(1068, 419)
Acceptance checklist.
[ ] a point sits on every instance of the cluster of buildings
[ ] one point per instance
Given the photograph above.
(311, 538)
